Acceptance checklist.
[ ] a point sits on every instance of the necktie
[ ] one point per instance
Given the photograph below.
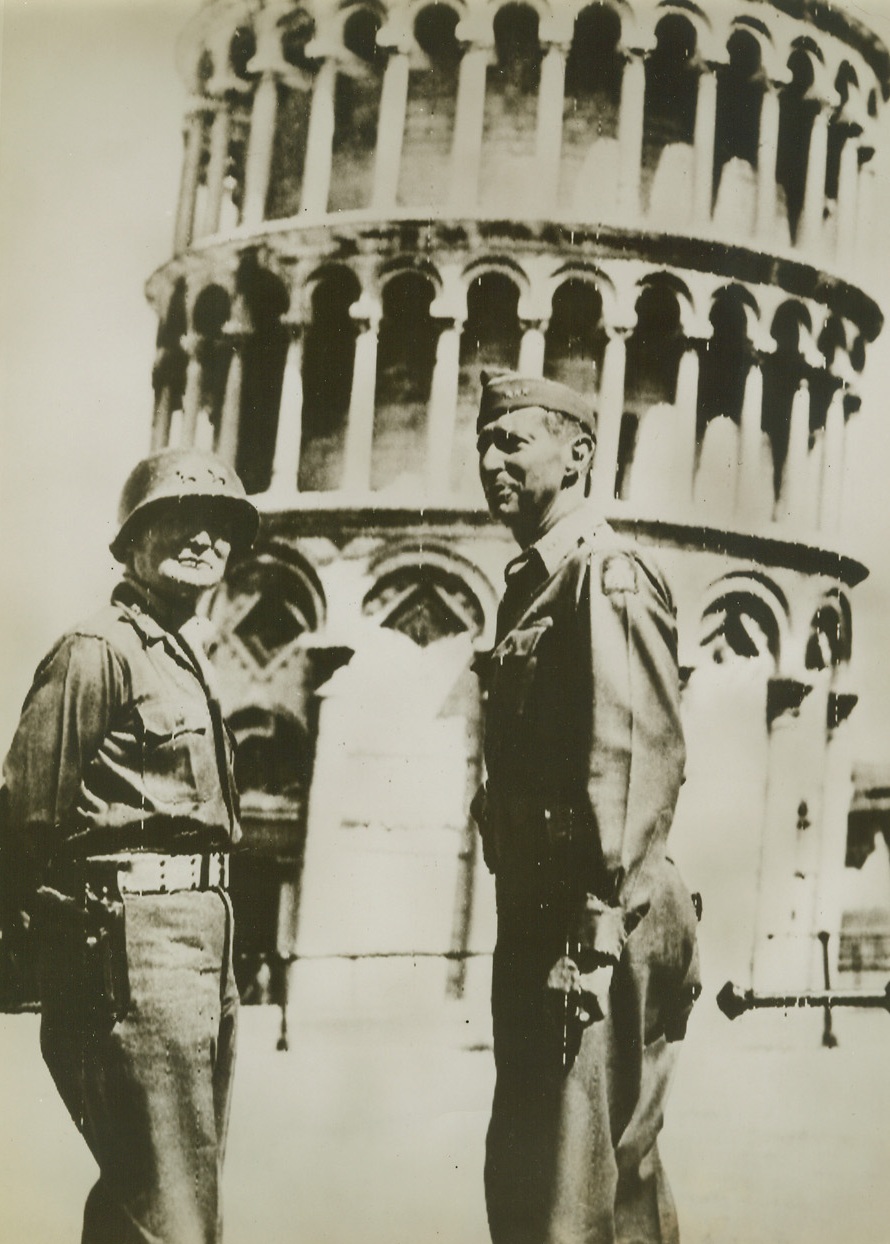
(524, 575)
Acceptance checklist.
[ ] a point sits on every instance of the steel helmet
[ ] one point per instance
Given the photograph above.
(173, 474)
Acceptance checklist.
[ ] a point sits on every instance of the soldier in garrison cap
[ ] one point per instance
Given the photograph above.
(122, 810)
(595, 969)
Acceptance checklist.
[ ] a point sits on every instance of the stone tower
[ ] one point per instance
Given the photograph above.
(665, 205)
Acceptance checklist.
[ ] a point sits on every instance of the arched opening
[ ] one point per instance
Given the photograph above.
(841, 131)
(226, 127)
(405, 356)
(797, 112)
(204, 69)
(724, 364)
(266, 606)
(263, 352)
(356, 113)
(274, 755)
(425, 603)
(432, 97)
(209, 315)
(242, 49)
(511, 110)
(576, 339)
(199, 208)
(741, 626)
(653, 356)
(830, 640)
(825, 381)
(328, 356)
(273, 760)
(669, 115)
(171, 361)
(590, 115)
(740, 89)
(491, 338)
(291, 119)
(783, 371)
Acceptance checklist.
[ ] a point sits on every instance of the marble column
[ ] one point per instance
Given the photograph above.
(792, 496)
(443, 407)
(360, 428)
(469, 119)
(847, 197)
(230, 417)
(630, 132)
(833, 446)
(611, 409)
(865, 213)
(269, 64)
(686, 406)
(258, 168)
(532, 347)
(191, 167)
(750, 443)
(837, 792)
(216, 167)
(160, 428)
(783, 929)
(767, 155)
(548, 139)
(288, 438)
(810, 230)
(703, 144)
(319, 141)
(194, 383)
(391, 129)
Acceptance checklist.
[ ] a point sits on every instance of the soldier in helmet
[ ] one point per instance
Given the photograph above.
(122, 810)
(595, 967)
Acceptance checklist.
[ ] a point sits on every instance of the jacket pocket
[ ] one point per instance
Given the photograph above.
(512, 667)
(177, 755)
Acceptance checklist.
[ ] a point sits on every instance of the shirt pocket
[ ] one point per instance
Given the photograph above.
(178, 763)
(512, 668)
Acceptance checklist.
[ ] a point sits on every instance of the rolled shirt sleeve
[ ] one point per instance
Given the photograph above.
(64, 720)
(636, 752)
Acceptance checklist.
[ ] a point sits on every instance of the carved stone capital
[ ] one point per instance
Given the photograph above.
(840, 706)
(784, 696)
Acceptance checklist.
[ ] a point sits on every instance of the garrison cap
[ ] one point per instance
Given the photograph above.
(503, 391)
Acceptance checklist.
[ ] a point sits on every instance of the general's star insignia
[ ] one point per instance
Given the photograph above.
(619, 575)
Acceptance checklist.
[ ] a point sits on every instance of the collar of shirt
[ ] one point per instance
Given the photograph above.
(184, 644)
(566, 534)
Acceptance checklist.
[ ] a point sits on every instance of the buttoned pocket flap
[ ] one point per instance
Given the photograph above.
(513, 665)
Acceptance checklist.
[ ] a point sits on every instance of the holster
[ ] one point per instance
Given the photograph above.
(108, 948)
(91, 931)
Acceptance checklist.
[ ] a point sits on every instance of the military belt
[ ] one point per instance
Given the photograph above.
(149, 872)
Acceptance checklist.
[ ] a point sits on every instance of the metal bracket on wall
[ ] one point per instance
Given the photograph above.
(734, 1001)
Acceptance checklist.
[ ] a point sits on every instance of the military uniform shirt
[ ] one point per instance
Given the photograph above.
(121, 744)
(583, 742)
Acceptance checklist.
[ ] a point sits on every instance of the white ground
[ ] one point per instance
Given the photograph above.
(372, 1136)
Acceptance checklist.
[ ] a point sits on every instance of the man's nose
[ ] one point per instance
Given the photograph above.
(201, 539)
(490, 459)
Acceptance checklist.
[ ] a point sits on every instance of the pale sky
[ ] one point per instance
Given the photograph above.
(90, 119)
(91, 109)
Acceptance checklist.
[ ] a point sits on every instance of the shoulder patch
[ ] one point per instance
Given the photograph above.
(619, 574)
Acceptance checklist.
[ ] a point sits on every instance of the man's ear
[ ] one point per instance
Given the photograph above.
(582, 453)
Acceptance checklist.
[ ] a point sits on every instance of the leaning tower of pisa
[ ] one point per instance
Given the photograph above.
(665, 205)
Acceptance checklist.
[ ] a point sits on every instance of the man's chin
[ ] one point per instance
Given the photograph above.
(185, 580)
(503, 507)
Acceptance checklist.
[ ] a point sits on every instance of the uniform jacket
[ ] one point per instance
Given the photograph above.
(121, 744)
(584, 747)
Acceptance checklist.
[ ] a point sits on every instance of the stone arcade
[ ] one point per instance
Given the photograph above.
(664, 206)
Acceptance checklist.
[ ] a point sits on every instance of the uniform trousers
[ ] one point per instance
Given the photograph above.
(572, 1154)
(150, 1090)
